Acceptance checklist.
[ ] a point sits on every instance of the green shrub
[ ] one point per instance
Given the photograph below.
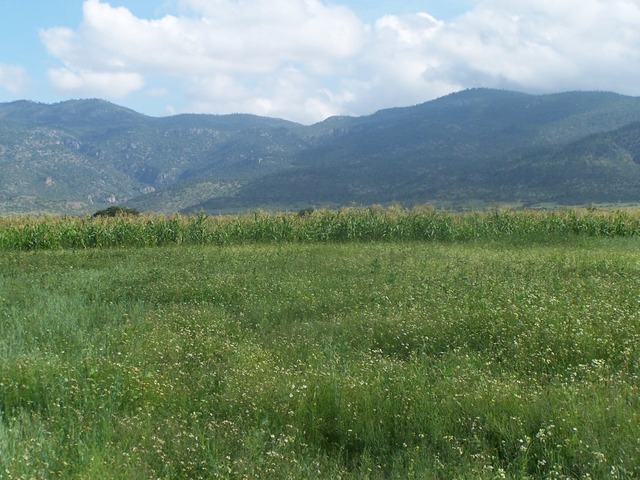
(116, 211)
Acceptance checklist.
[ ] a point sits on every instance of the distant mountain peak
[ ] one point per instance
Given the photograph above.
(469, 147)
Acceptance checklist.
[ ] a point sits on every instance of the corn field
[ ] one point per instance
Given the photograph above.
(346, 225)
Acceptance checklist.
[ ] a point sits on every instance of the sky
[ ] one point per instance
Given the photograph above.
(306, 60)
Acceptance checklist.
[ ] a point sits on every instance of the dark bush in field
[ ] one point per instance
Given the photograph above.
(116, 211)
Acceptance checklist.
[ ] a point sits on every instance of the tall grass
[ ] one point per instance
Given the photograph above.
(357, 361)
(345, 225)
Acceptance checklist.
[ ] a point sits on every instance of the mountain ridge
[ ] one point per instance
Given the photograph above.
(470, 147)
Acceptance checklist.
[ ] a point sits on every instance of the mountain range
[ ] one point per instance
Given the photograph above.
(472, 148)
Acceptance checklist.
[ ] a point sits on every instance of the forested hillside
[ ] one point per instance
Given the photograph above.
(474, 147)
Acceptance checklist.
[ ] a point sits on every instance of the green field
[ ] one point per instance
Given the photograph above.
(396, 344)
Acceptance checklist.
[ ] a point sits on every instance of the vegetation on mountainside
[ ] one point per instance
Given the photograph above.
(475, 146)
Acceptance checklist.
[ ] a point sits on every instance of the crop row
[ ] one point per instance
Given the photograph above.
(344, 225)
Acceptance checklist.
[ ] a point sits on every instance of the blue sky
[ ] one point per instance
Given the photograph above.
(305, 60)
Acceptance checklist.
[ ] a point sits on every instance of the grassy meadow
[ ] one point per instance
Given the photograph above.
(356, 344)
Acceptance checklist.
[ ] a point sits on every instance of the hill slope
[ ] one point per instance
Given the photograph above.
(478, 145)
(81, 155)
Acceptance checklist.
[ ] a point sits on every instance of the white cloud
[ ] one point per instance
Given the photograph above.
(13, 78)
(90, 83)
(544, 45)
(307, 59)
(263, 56)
